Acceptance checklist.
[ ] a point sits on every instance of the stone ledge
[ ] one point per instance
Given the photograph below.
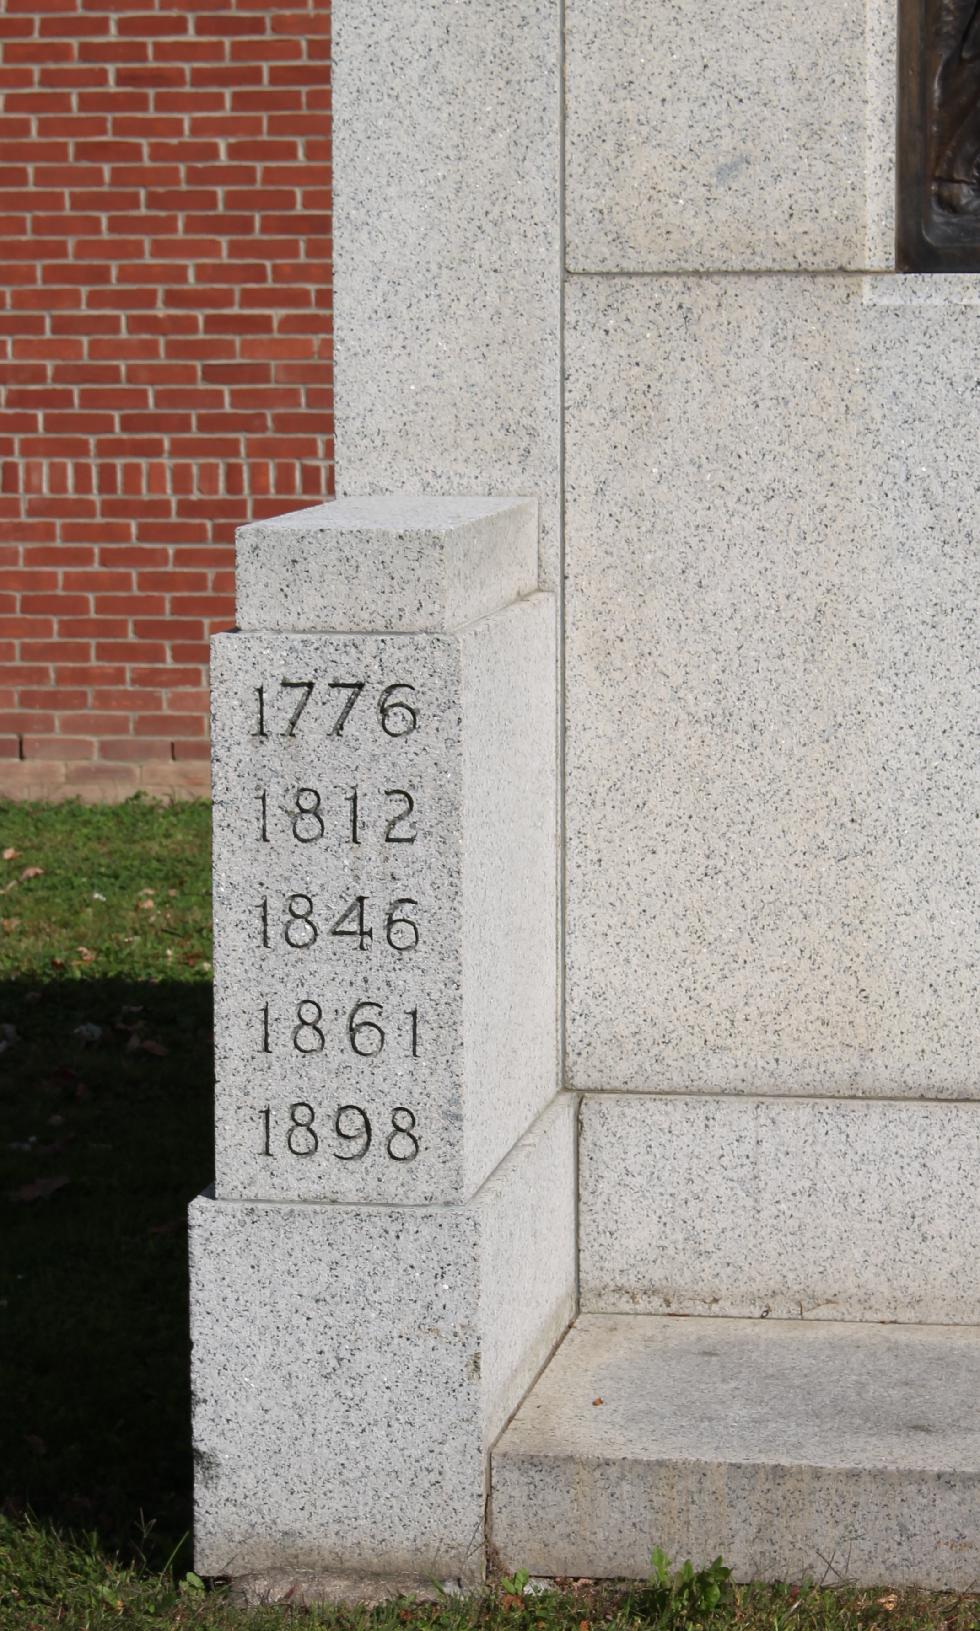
(837, 1451)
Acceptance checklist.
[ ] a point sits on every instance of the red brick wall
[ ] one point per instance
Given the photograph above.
(165, 358)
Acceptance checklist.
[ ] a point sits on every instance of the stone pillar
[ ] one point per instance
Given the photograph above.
(387, 1257)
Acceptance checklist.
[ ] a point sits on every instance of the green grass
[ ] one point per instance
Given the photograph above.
(105, 1134)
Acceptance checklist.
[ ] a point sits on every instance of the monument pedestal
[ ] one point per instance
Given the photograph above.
(387, 1259)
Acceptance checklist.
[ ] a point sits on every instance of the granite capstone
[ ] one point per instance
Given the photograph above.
(402, 564)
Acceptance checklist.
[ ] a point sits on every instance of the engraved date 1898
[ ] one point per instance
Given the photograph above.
(351, 1127)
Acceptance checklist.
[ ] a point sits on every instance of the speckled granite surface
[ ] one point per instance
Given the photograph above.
(790, 1208)
(772, 707)
(353, 1364)
(830, 1451)
(447, 268)
(720, 137)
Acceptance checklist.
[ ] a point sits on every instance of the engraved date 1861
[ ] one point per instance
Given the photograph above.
(366, 1035)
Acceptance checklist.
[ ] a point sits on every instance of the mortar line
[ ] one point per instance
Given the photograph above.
(665, 274)
(562, 795)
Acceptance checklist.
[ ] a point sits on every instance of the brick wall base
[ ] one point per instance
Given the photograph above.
(54, 781)
(165, 360)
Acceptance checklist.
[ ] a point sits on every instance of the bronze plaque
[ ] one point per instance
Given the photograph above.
(939, 136)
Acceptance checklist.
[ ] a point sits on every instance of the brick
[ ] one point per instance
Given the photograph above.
(101, 782)
(122, 700)
(53, 698)
(189, 702)
(173, 581)
(30, 580)
(59, 747)
(157, 678)
(137, 555)
(202, 606)
(14, 674)
(20, 720)
(129, 651)
(197, 751)
(99, 724)
(49, 651)
(166, 725)
(101, 580)
(94, 674)
(55, 604)
(131, 605)
(84, 628)
(124, 749)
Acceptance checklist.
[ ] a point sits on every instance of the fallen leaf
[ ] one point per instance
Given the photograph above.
(86, 954)
(9, 924)
(57, 962)
(157, 1048)
(10, 854)
(510, 1601)
(599, 1401)
(39, 1190)
(146, 905)
(889, 1602)
(32, 872)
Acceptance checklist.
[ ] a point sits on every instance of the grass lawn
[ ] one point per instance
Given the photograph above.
(105, 1134)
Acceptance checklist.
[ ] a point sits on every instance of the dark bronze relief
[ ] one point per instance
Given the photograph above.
(939, 136)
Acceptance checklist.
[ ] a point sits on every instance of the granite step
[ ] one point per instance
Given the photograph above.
(838, 1451)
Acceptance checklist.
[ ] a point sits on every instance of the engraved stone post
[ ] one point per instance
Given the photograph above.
(387, 1257)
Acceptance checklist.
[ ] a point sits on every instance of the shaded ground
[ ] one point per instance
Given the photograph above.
(105, 1134)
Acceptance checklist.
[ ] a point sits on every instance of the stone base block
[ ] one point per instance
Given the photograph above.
(352, 1365)
(785, 1208)
(835, 1451)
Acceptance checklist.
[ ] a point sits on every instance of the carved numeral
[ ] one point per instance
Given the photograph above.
(306, 686)
(391, 836)
(359, 931)
(351, 1126)
(355, 687)
(364, 1035)
(398, 717)
(360, 1135)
